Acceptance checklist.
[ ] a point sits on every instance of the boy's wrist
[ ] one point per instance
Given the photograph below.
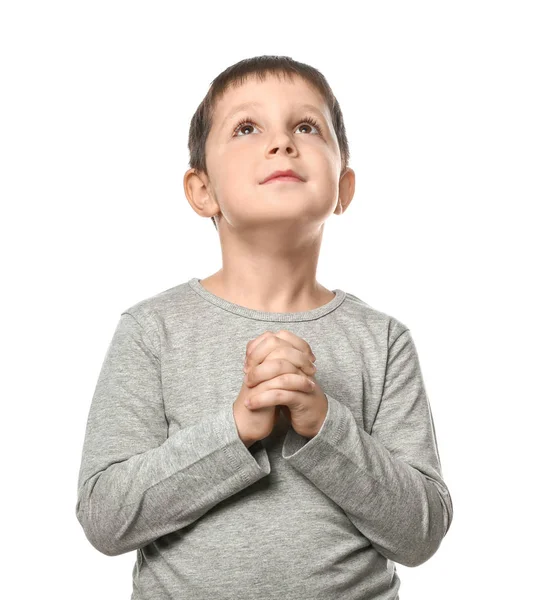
(248, 442)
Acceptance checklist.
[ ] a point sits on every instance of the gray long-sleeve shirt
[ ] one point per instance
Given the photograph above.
(164, 471)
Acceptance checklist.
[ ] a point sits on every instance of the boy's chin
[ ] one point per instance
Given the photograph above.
(278, 194)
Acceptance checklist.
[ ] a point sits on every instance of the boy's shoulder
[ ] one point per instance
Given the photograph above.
(373, 319)
(174, 300)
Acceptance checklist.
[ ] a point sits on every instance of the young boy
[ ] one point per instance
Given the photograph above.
(294, 482)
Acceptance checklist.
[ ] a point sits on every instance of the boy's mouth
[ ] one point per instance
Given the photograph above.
(288, 175)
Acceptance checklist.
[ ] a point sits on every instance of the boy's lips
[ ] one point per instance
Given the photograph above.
(288, 175)
(281, 178)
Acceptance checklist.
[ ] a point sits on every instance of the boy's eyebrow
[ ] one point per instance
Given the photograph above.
(246, 105)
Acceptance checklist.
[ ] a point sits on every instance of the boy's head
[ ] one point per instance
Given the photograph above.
(233, 147)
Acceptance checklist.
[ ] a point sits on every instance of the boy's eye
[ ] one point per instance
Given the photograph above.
(249, 122)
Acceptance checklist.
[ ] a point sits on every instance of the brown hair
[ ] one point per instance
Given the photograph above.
(235, 75)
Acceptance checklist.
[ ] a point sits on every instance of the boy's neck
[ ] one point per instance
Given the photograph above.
(245, 295)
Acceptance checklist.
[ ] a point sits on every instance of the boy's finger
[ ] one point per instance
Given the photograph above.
(271, 342)
(287, 397)
(285, 335)
(263, 349)
(296, 341)
(273, 366)
(251, 344)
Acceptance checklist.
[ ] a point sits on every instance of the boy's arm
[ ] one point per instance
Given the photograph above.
(135, 484)
(389, 483)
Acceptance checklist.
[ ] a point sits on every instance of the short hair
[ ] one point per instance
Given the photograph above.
(260, 66)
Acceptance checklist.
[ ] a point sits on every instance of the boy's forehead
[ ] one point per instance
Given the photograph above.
(256, 94)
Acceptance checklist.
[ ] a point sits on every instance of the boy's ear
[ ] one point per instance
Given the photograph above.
(197, 188)
(347, 186)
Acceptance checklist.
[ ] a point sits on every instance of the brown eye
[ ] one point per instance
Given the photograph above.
(312, 123)
(243, 124)
(244, 127)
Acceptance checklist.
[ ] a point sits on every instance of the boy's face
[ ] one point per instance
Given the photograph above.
(275, 138)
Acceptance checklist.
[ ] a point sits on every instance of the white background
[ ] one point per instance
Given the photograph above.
(440, 101)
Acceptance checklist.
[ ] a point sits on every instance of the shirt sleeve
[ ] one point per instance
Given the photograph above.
(388, 482)
(135, 483)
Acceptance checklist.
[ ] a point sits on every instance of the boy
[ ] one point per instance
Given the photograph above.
(297, 482)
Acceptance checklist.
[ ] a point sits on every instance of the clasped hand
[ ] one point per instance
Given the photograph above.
(281, 365)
